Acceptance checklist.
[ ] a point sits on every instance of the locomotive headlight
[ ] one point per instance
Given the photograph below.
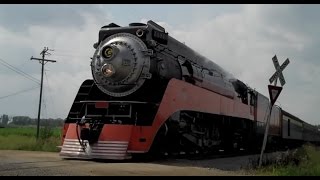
(107, 52)
(108, 70)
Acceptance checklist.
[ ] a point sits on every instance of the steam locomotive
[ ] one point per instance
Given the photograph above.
(151, 93)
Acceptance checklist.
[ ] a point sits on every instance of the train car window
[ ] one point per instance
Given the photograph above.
(252, 99)
(288, 127)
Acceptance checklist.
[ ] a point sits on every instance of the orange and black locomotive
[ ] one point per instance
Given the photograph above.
(151, 93)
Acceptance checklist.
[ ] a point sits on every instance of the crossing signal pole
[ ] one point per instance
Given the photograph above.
(42, 61)
(274, 92)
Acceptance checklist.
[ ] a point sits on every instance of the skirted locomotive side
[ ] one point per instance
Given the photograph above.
(152, 94)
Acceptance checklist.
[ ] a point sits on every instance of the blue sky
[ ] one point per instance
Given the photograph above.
(240, 38)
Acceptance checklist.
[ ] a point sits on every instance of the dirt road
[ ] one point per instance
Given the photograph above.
(27, 163)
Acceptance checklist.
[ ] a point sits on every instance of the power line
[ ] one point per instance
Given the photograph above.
(22, 73)
(19, 92)
(71, 55)
(66, 51)
(54, 112)
(45, 114)
(19, 71)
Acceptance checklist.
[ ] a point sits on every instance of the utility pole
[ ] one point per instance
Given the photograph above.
(42, 61)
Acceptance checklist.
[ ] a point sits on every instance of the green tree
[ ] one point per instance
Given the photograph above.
(5, 119)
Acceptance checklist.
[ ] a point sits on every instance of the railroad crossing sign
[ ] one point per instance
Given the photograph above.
(274, 92)
(279, 69)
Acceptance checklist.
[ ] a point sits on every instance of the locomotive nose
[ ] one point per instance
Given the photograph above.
(119, 65)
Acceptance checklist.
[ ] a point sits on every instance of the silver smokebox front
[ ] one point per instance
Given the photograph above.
(120, 65)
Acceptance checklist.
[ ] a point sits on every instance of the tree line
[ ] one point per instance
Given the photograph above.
(5, 120)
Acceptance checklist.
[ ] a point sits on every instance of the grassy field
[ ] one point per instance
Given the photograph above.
(24, 138)
(302, 162)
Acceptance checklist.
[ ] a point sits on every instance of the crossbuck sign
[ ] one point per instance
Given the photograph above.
(274, 92)
(279, 69)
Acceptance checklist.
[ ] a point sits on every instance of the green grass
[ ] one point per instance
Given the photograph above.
(24, 138)
(308, 164)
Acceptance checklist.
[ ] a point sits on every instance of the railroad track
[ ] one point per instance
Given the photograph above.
(199, 156)
(182, 155)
